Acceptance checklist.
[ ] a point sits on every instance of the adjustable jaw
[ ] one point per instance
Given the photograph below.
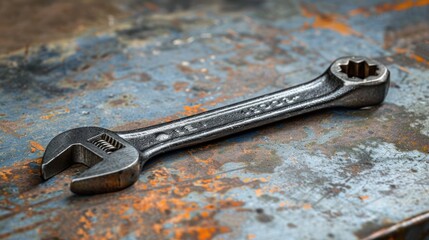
(113, 163)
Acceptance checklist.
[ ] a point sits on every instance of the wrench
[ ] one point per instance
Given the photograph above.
(115, 159)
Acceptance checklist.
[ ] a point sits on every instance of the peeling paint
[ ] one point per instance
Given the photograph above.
(401, 6)
(125, 65)
(36, 146)
(331, 21)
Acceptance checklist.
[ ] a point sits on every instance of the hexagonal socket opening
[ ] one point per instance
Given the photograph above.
(359, 69)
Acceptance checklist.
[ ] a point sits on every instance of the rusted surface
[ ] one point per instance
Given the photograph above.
(127, 64)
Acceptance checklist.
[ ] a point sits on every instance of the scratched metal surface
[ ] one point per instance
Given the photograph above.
(126, 64)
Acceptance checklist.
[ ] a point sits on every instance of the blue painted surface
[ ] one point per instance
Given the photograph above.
(333, 174)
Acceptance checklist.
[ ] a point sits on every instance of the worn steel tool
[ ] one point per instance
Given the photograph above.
(115, 159)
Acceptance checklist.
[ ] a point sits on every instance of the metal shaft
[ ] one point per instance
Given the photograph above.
(317, 94)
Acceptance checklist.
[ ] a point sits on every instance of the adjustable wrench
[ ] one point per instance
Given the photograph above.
(115, 159)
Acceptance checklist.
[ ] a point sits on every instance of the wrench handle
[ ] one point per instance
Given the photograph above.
(213, 124)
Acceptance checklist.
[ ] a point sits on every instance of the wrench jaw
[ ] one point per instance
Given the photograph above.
(109, 175)
(365, 81)
(113, 163)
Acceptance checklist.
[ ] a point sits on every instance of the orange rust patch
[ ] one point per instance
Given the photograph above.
(304, 27)
(160, 174)
(258, 192)
(182, 191)
(331, 21)
(47, 117)
(86, 225)
(148, 202)
(179, 213)
(201, 233)
(212, 185)
(205, 214)
(230, 203)
(419, 59)
(251, 236)
(404, 69)
(55, 113)
(363, 198)
(216, 101)
(307, 206)
(36, 146)
(261, 179)
(9, 127)
(209, 163)
(191, 110)
(413, 56)
(5, 173)
(359, 11)
(157, 228)
(274, 189)
(21, 175)
(401, 6)
(388, 7)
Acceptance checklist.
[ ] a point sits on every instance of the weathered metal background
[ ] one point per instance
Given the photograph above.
(125, 64)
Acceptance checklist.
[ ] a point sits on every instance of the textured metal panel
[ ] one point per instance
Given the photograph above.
(332, 174)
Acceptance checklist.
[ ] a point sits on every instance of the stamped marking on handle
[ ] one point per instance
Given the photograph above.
(270, 105)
